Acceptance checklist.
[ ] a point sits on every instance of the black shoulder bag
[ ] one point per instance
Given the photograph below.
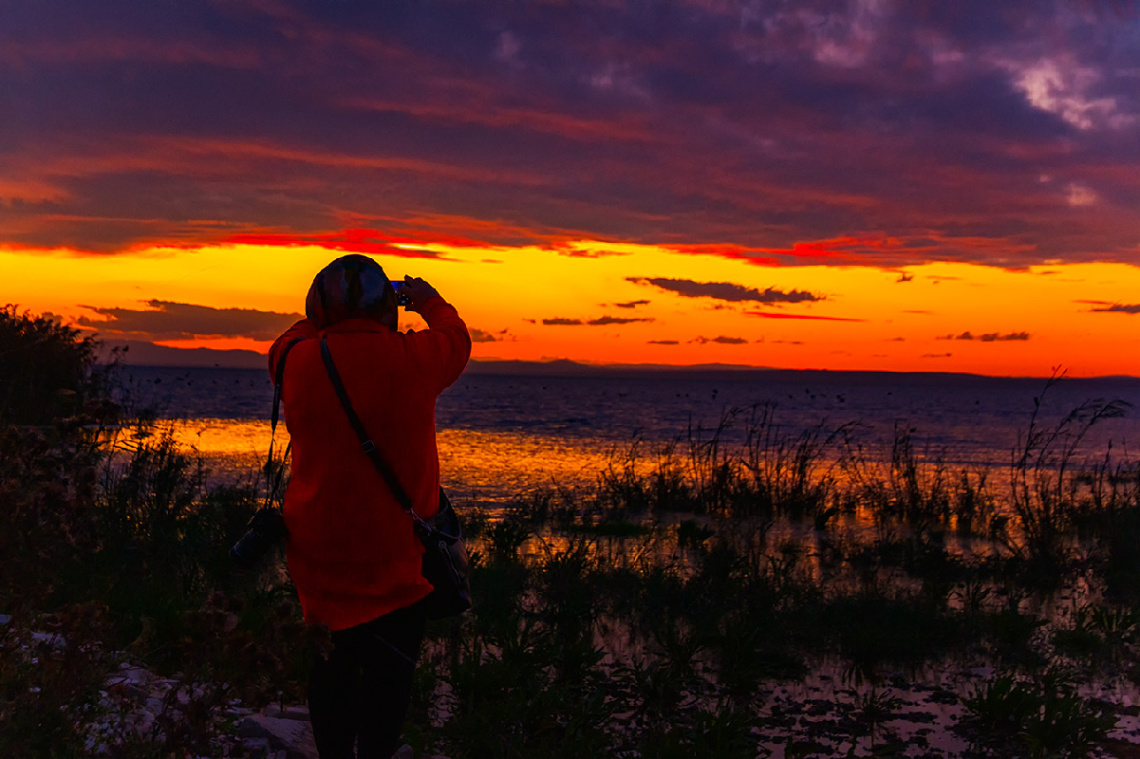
(445, 556)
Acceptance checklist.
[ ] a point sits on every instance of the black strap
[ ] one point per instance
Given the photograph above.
(278, 380)
(366, 443)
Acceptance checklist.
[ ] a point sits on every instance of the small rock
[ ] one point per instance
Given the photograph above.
(296, 712)
(255, 745)
(144, 723)
(135, 675)
(291, 735)
(54, 640)
(135, 692)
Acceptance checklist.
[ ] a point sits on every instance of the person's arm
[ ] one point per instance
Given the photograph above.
(299, 331)
(445, 345)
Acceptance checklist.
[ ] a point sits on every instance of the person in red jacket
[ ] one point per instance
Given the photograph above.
(351, 551)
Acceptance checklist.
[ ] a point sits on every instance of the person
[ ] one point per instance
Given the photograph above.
(351, 550)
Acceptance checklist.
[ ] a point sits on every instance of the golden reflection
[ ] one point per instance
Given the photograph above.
(479, 466)
(492, 469)
(232, 450)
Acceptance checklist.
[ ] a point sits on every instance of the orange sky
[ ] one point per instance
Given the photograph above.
(931, 317)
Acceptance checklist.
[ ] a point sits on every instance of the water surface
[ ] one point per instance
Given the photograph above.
(500, 435)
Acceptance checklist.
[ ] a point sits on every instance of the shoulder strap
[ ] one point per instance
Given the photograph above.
(278, 379)
(366, 443)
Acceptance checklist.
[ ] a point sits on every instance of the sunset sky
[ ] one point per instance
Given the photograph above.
(906, 186)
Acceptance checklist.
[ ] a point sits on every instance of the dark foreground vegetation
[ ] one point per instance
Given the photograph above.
(787, 595)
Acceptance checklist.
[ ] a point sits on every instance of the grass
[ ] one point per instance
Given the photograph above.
(649, 616)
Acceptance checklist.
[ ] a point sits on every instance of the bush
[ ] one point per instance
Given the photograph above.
(47, 371)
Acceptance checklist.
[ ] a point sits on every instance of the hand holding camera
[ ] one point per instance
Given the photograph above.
(413, 292)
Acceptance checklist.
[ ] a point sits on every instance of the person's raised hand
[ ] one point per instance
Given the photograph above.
(418, 291)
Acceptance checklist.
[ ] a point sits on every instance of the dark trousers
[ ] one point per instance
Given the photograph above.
(359, 695)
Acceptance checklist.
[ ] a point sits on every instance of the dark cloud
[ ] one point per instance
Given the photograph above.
(663, 342)
(781, 315)
(591, 253)
(989, 337)
(785, 133)
(605, 320)
(726, 291)
(601, 321)
(484, 336)
(366, 241)
(722, 339)
(183, 321)
(632, 304)
(1120, 308)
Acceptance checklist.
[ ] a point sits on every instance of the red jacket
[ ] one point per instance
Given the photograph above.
(351, 550)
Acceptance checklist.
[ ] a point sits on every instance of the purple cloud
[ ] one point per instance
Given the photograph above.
(166, 320)
(722, 339)
(601, 321)
(1120, 308)
(789, 134)
(989, 337)
(726, 291)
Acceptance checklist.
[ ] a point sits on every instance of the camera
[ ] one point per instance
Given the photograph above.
(402, 298)
(266, 529)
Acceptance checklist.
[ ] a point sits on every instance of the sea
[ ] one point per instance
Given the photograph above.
(502, 436)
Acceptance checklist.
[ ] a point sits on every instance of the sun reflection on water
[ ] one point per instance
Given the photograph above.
(495, 467)
(476, 465)
(232, 449)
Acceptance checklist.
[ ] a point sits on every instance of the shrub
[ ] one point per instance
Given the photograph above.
(47, 370)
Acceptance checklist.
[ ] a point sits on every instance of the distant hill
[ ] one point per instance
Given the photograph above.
(140, 353)
(566, 368)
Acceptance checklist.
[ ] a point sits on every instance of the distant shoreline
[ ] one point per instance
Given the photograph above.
(146, 355)
(585, 371)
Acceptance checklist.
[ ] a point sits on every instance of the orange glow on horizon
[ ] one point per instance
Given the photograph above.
(599, 305)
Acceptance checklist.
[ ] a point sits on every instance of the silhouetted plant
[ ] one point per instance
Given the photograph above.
(1043, 492)
(1043, 716)
(48, 371)
(791, 477)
